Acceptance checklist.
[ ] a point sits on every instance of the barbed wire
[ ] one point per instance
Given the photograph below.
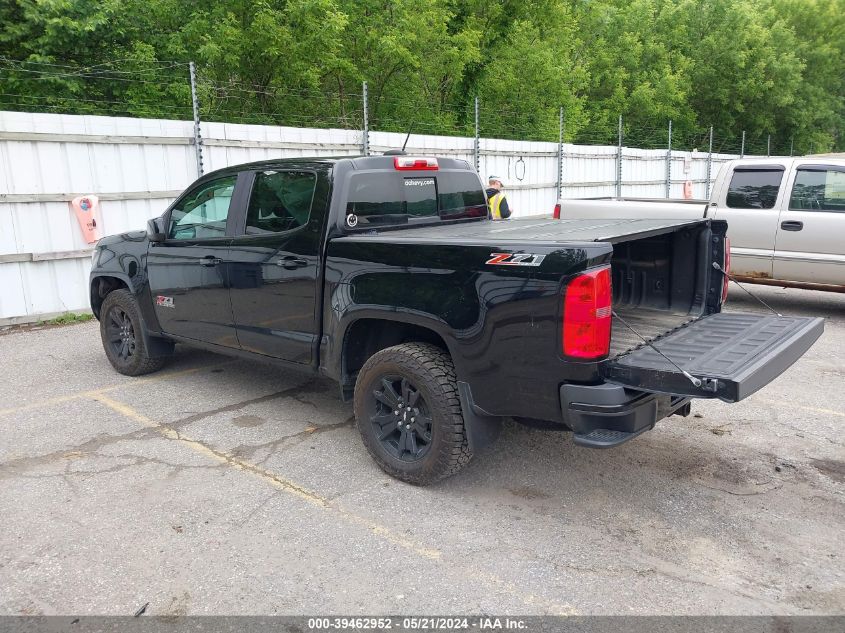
(107, 63)
(107, 88)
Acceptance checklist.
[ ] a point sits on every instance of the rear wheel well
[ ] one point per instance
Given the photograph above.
(100, 289)
(365, 337)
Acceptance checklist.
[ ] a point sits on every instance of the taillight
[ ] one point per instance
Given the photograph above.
(408, 163)
(726, 266)
(556, 214)
(586, 315)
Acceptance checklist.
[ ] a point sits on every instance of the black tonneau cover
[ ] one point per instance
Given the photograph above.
(539, 229)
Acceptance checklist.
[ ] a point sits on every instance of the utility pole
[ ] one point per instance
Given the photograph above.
(196, 106)
(769, 145)
(791, 145)
(742, 147)
(365, 132)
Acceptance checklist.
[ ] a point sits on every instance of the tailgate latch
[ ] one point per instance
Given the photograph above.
(710, 384)
(705, 384)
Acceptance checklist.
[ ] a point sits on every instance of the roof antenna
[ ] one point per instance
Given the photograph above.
(400, 152)
(407, 136)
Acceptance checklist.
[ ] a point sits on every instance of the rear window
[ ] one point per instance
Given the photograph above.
(818, 189)
(754, 188)
(382, 198)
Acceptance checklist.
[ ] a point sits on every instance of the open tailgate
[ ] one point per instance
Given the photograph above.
(733, 354)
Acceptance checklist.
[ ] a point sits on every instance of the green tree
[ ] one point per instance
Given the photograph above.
(530, 72)
(412, 59)
(634, 71)
(817, 119)
(765, 66)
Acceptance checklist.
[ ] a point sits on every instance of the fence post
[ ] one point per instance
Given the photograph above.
(619, 160)
(769, 145)
(742, 147)
(476, 146)
(365, 132)
(669, 163)
(709, 164)
(560, 157)
(196, 106)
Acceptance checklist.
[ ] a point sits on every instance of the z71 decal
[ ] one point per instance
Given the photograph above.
(515, 259)
(164, 302)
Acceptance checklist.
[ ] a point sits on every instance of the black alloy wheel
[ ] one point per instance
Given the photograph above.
(401, 419)
(408, 413)
(123, 337)
(120, 334)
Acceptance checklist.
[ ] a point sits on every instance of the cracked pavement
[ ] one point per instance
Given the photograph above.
(220, 486)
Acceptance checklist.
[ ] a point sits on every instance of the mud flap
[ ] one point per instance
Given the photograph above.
(732, 355)
(482, 429)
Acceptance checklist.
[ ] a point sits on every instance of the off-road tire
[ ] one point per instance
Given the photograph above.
(138, 361)
(431, 372)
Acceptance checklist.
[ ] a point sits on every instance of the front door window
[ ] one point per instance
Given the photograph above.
(202, 214)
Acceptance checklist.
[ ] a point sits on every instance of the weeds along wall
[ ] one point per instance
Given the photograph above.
(137, 167)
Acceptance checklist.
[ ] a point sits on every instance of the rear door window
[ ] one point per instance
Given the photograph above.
(818, 189)
(755, 188)
(384, 199)
(280, 201)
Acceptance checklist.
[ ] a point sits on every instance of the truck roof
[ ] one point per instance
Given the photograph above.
(786, 161)
(357, 162)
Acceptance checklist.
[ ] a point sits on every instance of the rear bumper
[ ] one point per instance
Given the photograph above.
(605, 415)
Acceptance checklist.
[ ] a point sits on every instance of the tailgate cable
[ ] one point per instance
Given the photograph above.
(695, 381)
(711, 384)
(746, 290)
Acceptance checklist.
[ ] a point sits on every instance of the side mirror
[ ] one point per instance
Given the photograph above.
(155, 230)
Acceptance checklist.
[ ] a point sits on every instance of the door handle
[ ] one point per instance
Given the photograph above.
(210, 260)
(792, 225)
(291, 262)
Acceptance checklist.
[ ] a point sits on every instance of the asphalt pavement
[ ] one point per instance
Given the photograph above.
(219, 486)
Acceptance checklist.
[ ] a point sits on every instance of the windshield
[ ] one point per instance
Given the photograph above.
(386, 199)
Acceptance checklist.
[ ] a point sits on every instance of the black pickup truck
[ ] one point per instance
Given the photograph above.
(385, 274)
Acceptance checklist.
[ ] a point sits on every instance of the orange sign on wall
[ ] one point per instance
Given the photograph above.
(87, 209)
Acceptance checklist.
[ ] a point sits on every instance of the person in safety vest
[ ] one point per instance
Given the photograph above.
(496, 200)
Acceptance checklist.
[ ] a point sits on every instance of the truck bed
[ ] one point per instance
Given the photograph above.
(650, 324)
(655, 263)
(518, 230)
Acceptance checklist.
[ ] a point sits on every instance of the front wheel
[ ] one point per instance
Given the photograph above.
(122, 336)
(409, 415)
